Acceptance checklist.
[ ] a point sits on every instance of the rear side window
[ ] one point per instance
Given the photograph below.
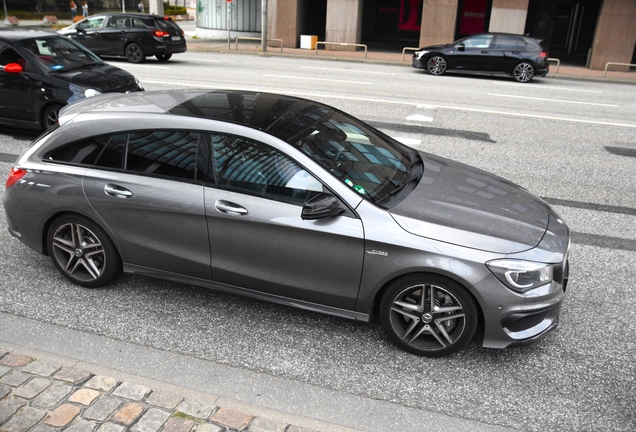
(167, 153)
(160, 153)
(143, 23)
(509, 43)
(167, 25)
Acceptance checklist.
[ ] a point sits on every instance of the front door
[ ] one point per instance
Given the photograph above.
(258, 239)
(16, 98)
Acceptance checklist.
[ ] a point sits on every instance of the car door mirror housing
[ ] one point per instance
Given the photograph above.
(322, 206)
(461, 47)
(80, 29)
(13, 68)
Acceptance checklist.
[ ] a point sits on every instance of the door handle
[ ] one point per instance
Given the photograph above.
(117, 191)
(484, 52)
(227, 207)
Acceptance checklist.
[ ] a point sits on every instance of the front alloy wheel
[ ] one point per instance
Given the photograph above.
(436, 65)
(50, 116)
(523, 72)
(428, 315)
(82, 251)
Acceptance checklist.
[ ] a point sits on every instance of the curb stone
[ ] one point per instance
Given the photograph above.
(45, 396)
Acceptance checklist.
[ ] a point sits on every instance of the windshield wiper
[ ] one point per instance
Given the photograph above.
(402, 184)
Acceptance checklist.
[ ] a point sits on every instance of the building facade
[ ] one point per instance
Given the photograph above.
(587, 32)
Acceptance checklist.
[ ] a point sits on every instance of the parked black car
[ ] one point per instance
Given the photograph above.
(40, 72)
(134, 36)
(521, 57)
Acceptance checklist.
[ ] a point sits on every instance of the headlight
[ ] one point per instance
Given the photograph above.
(419, 54)
(521, 276)
(91, 92)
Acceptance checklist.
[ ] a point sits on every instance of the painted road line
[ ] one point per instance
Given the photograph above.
(553, 100)
(317, 79)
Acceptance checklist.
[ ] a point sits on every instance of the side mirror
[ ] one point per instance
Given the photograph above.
(321, 206)
(461, 47)
(14, 68)
(80, 29)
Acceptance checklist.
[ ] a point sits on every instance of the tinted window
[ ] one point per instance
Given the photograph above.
(58, 53)
(509, 43)
(118, 22)
(112, 156)
(166, 153)
(253, 167)
(143, 23)
(9, 55)
(92, 22)
(84, 152)
(482, 41)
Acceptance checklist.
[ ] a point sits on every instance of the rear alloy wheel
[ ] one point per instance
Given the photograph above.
(82, 251)
(135, 53)
(436, 65)
(523, 72)
(428, 315)
(50, 116)
(163, 57)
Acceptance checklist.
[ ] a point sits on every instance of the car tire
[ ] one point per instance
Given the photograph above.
(163, 57)
(431, 328)
(523, 72)
(50, 116)
(436, 65)
(82, 251)
(135, 53)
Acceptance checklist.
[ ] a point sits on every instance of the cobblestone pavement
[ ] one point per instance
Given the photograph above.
(45, 396)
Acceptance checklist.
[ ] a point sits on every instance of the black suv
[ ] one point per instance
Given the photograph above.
(518, 56)
(130, 35)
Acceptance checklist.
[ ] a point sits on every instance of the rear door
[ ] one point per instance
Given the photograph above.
(155, 205)
(114, 35)
(506, 52)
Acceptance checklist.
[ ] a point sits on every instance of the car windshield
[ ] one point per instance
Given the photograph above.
(370, 163)
(60, 54)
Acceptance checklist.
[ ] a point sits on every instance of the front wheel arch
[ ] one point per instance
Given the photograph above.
(49, 115)
(475, 333)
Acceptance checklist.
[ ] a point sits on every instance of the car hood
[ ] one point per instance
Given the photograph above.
(435, 47)
(105, 78)
(462, 205)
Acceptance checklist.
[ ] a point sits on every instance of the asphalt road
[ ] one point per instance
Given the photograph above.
(571, 142)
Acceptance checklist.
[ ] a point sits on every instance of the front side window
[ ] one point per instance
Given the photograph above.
(481, 41)
(255, 168)
(92, 23)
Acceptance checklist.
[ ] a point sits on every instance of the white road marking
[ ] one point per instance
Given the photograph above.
(124, 66)
(553, 100)
(390, 102)
(408, 141)
(318, 79)
(546, 88)
(348, 70)
(420, 117)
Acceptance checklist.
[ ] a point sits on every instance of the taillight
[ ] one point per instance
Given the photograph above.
(543, 54)
(161, 33)
(14, 176)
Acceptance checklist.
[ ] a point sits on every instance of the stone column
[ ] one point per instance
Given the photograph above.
(283, 21)
(508, 16)
(438, 22)
(615, 35)
(344, 23)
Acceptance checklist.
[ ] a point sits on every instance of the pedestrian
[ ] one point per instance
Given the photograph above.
(73, 10)
(140, 6)
(84, 9)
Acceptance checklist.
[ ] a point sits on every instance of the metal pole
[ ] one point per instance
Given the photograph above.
(228, 4)
(263, 25)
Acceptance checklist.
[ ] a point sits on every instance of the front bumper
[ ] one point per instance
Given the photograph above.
(419, 62)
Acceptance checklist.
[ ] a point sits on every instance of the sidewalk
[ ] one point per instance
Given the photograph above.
(557, 71)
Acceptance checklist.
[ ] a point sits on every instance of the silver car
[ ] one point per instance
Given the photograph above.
(295, 202)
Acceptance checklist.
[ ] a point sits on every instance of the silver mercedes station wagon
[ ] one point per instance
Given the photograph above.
(295, 202)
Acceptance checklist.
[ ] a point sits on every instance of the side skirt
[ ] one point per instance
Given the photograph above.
(286, 301)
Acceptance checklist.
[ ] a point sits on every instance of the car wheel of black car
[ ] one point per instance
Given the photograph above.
(523, 72)
(135, 53)
(163, 57)
(82, 251)
(428, 315)
(436, 65)
(50, 116)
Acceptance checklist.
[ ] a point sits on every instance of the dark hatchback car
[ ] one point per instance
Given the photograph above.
(521, 57)
(134, 36)
(40, 72)
(295, 202)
